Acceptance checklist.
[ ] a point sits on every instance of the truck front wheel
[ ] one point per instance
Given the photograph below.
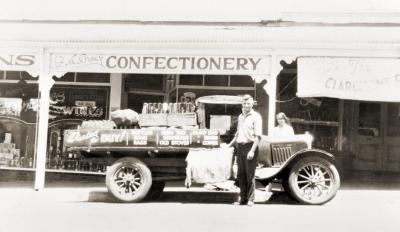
(128, 180)
(313, 180)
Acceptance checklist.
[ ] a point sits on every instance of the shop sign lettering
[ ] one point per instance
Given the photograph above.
(141, 137)
(72, 137)
(17, 61)
(164, 64)
(113, 137)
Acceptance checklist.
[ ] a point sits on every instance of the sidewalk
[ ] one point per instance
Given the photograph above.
(94, 190)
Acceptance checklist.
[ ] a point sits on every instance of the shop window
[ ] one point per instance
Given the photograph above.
(70, 106)
(241, 81)
(18, 116)
(393, 120)
(2, 75)
(191, 79)
(68, 77)
(93, 77)
(13, 75)
(17, 75)
(144, 82)
(135, 101)
(369, 119)
(172, 96)
(216, 80)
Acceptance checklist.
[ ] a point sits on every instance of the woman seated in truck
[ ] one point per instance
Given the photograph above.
(284, 128)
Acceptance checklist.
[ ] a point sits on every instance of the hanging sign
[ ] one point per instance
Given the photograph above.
(160, 64)
(366, 79)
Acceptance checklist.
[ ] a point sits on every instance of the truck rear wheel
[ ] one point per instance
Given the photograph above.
(129, 180)
(313, 180)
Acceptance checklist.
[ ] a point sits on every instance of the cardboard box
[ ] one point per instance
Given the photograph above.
(7, 137)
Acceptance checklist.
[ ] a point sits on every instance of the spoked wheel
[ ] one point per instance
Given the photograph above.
(313, 180)
(128, 180)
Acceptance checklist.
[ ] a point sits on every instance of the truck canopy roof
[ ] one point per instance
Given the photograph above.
(220, 99)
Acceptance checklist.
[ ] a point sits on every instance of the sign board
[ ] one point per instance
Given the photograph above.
(125, 138)
(165, 64)
(365, 79)
(18, 61)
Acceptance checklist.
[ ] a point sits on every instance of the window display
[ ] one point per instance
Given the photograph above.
(18, 116)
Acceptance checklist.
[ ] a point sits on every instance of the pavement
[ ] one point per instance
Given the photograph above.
(69, 188)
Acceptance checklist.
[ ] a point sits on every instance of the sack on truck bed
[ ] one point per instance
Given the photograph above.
(125, 118)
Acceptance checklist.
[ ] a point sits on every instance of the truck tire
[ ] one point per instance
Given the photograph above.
(313, 180)
(155, 191)
(129, 180)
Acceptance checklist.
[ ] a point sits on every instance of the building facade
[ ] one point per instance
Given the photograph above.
(336, 80)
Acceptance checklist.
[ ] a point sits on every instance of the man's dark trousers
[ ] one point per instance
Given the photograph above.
(246, 172)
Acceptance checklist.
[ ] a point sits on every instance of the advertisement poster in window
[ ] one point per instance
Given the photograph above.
(78, 102)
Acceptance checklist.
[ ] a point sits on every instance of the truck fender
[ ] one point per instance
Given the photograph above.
(305, 153)
(271, 172)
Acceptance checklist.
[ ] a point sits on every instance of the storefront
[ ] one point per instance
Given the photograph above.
(369, 109)
(86, 76)
(80, 83)
(18, 107)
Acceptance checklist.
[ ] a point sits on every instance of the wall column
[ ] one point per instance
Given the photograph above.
(116, 91)
(270, 87)
(45, 83)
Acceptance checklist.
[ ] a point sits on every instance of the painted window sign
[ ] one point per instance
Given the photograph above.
(86, 103)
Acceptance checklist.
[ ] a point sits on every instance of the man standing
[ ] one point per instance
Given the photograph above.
(247, 137)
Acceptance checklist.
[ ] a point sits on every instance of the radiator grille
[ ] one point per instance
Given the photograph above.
(280, 153)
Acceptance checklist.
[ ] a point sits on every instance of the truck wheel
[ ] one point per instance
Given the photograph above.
(128, 180)
(313, 180)
(155, 191)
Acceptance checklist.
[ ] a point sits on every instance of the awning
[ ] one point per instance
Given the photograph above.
(365, 79)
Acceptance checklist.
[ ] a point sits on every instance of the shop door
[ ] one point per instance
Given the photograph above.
(369, 146)
(391, 156)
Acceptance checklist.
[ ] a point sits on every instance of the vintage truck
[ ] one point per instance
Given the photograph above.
(140, 161)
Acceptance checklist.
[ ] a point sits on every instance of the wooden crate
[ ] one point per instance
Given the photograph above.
(153, 120)
(187, 119)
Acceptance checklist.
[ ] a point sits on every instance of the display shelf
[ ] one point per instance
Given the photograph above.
(16, 168)
(314, 122)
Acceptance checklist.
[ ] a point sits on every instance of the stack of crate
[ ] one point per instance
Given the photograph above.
(168, 115)
(8, 153)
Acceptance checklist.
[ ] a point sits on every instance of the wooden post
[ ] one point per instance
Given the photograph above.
(340, 129)
(271, 90)
(45, 84)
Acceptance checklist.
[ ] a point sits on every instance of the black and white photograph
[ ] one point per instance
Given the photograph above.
(199, 116)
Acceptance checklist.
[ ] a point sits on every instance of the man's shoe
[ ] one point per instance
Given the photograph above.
(250, 203)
